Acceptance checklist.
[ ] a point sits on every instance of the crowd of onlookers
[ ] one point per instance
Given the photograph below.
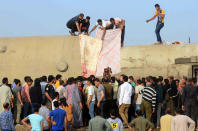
(111, 103)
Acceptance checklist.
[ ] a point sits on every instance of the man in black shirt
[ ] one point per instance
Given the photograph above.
(49, 92)
(85, 25)
(74, 24)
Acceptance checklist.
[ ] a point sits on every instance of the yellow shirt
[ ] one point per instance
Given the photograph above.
(159, 18)
(57, 84)
(165, 122)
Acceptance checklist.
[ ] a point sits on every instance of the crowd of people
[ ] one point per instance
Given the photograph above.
(111, 103)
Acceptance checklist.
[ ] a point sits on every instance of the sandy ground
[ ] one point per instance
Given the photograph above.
(22, 128)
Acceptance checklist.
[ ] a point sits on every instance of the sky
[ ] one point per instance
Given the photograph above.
(20, 18)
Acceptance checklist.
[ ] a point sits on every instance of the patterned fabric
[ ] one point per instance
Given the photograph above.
(68, 93)
(110, 54)
(6, 121)
(90, 49)
(44, 112)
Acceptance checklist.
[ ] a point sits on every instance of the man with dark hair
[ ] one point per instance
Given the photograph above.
(140, 123)
(61, 89)
(58, 78)
(43, 85)
(74, 24)
(26, 97)
(148, 104)
(115, 122)
(138, 96)
(100, 95)
(119, 23)
(18, 103)
(6, 120)
(104, 25)
(58, 118)
(85, 25)
(182, 122)
(44, 112)
(98, 123)
(165, 121)
(189, 100)
(49, 91)
(125, 100)
(160, 14)
(35, 119)
(6, 94)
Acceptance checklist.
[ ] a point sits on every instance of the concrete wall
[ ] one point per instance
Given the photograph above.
(157, 60)
(37, 56)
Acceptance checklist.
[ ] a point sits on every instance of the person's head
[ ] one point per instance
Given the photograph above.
(6, 106)
(112, 21)
(44, 78)
(182, 84)
(125, 78)
(17, 82)
(79, 83)
(56, 95)
(87, 19)
(189, 81)
(51, 79)
(29, 82)
(122, 78)
(44, 102)
(138, 113)
(184, 78)
(170, 79)
(36, 108)
(81, 16)
(147, 80)
(62, 82)
(131, 79)
(58, 77)
(194, 81)
(157, 7)
(70, 80)
(97, 111)
(5, 81)
(63, 102)
(89, 81)
(113, 113)
(99, 22)
(97, 82)
(178, 111)
(26, 78)
(37, 82)
(139, 82)
(56, 104)
(168, 111)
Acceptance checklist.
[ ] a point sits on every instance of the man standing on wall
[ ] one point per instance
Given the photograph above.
(160, 14)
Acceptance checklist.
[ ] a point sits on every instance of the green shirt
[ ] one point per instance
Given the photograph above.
(141, 124)
(99, 124)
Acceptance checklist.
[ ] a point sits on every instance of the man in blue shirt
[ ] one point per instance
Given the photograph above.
(59, 118)
(6, 120)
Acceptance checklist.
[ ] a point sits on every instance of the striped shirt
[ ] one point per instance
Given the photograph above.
(149, 94)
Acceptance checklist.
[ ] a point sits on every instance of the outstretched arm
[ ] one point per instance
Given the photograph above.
(93, 29)
(78, 27)
(103, 35)
(151, 18)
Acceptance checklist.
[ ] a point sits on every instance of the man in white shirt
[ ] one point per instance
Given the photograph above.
(119, 23)
(91, 97)
(125, 100)
(61, 89)
(182, 122)
(138, 96)
(103, 25)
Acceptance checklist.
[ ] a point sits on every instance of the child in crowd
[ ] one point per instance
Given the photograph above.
(55, 99)
(115, 122)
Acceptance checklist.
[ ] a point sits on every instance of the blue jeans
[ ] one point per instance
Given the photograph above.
(35, 104)
(159, 26)
(91, 109)
(26, 109)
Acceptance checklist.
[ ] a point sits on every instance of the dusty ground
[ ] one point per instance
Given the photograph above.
(22, 128)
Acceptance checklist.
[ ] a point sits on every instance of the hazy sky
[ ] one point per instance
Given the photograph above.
(48, 17)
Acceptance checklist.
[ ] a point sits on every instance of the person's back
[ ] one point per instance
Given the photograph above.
(182, 123)
(165, 122)
(58, 117)
(116, 124)
(141, 124)
(44, 112)
(5, 95)
(97, 124)
(35, 121)
(5, 121)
